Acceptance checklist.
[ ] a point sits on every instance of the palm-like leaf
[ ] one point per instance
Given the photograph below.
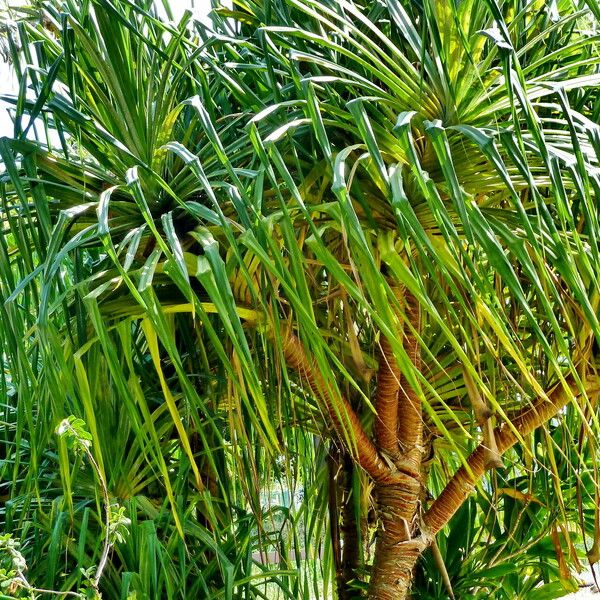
(236, 232)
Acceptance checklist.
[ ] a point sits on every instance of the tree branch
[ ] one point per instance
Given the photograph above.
(344, 420)
(464, 480)
(410, 411)
(386, 400)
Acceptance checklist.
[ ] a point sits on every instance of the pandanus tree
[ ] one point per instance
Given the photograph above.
(450, 146)
(95, 163)
(447, 137)
(376, 225)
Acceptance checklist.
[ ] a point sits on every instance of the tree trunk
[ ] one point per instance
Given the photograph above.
(346, 542)
(410, 413)
(344, 420)
(352, 555)
(396, 553)
(399, 434)
(397, 479)
(463, 482)
(386, 401)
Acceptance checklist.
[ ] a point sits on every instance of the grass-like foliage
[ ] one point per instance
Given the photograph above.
(319, 283)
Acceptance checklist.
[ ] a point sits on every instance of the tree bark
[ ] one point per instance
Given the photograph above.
(396, 552)
(396, 485)
(343, 418)
(524, 422)
(386, 400)
(410, 412)
(392, 571)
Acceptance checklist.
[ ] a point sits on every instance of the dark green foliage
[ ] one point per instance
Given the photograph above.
(172, 199)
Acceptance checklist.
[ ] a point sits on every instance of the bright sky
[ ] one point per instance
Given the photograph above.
(8, 82)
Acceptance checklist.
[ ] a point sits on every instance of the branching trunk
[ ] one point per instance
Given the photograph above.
(343, 418)
(410, 413)
(392, 573)
(397, 489)
(396, 552)
(464, 480)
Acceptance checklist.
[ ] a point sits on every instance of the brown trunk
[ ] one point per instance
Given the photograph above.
(344, 420)
(398, 485)
(398, 489)
(410, 414)
(464, 480)
(395, 553)
(386, 400)
(352, 546)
